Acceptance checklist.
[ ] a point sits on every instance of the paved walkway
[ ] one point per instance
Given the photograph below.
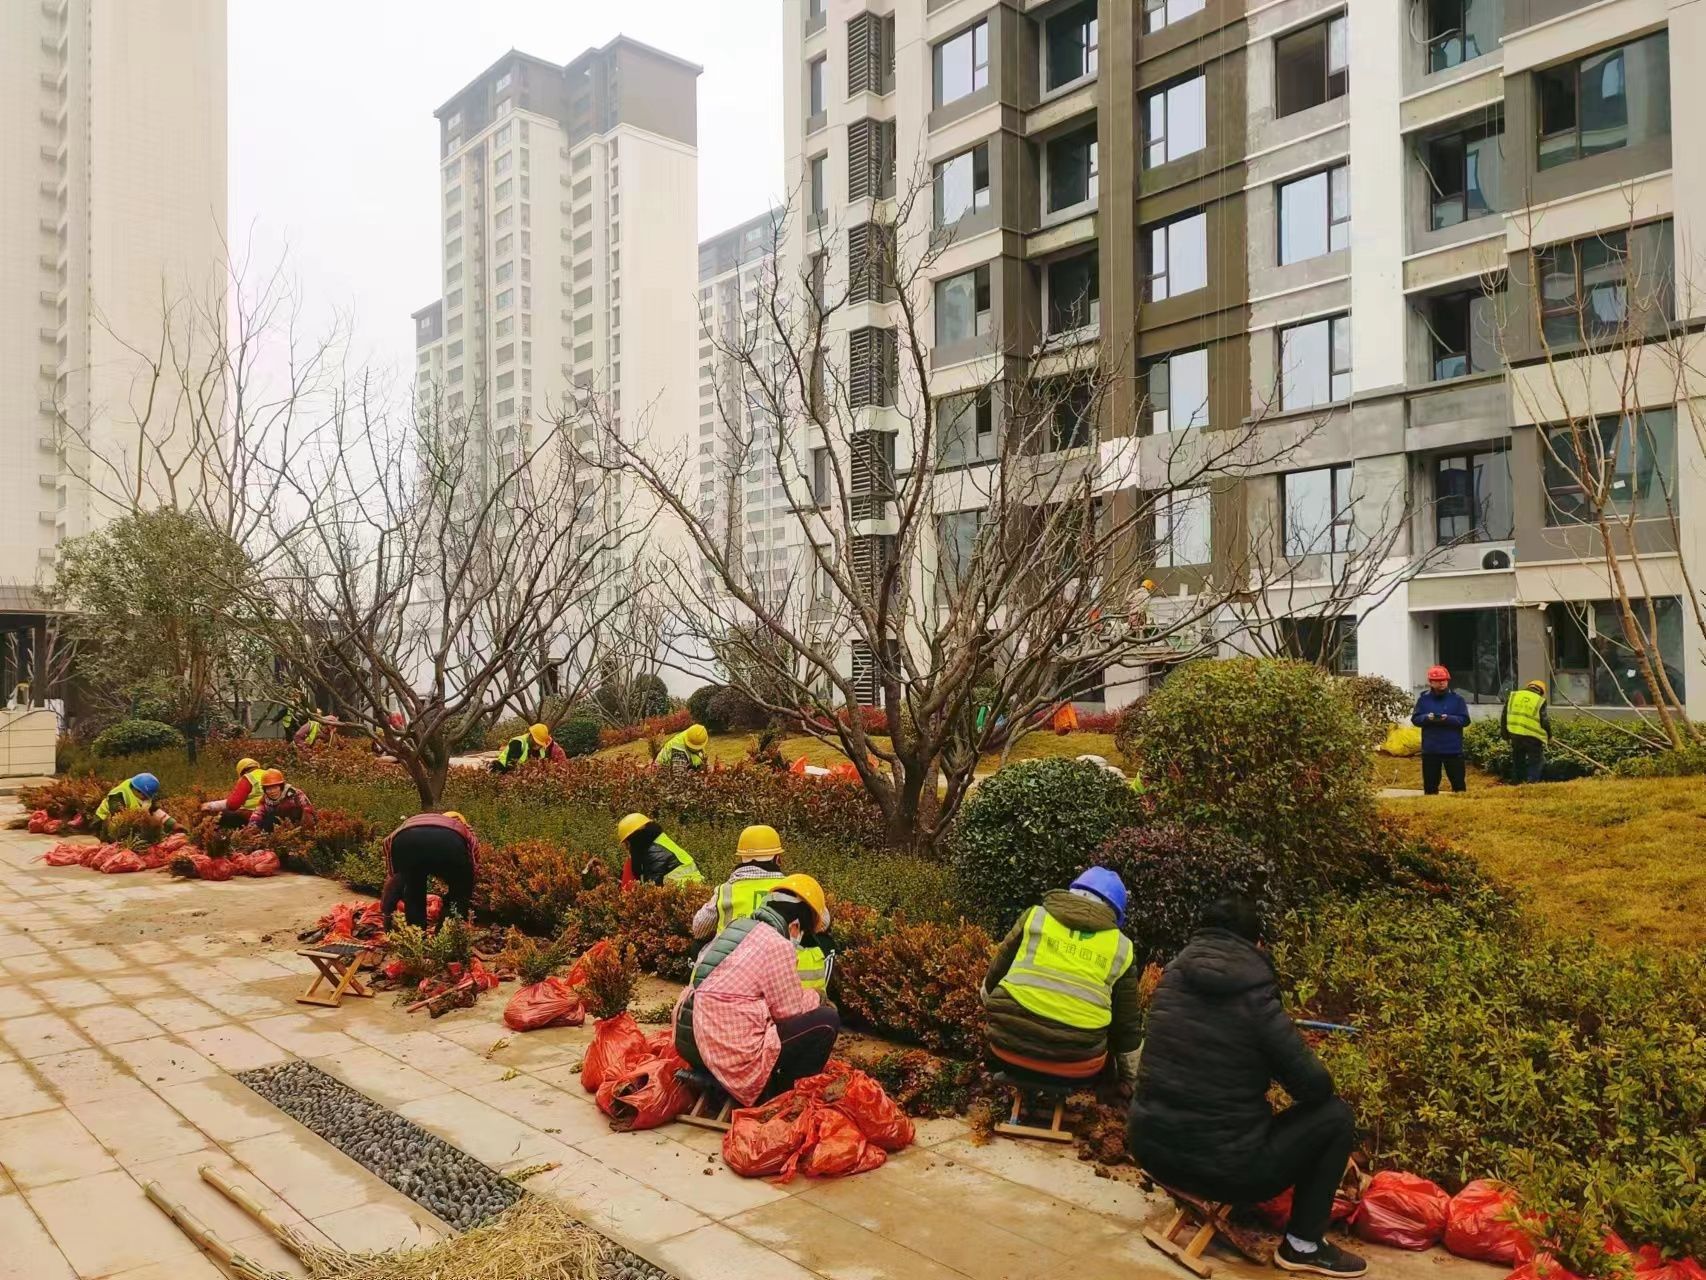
(126, 1002)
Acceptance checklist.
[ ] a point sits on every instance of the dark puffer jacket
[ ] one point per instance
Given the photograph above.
(1019, 1031)
(1217, 1038)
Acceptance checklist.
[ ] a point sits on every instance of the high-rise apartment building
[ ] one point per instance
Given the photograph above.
(1404, 246)
(740, 489)
(568, 201)
(113, 211)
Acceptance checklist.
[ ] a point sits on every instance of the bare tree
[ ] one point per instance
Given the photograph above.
(952, 567)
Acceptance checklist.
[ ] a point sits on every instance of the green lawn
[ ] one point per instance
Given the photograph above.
(732, 748)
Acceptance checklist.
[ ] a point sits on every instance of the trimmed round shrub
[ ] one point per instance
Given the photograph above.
(737, 711)
(1265, 751)
(1172, 873)
(130, 737)
(700, 708)
(1580, 747)
(578, 737)
(1683, 762)
(1029, 828)
(1378, 703)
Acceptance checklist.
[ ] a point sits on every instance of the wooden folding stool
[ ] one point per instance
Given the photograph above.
(1207, 1219)
(711, 1107)
(1055, 1091)
(338, 969)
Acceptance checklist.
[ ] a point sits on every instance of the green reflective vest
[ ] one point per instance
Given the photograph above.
(126, 796)
(738, 899)
(313, 734)
(678, 746)
(686, 870)
(1067, 975)
(1522, 714)
(518, 749)
(253, 800)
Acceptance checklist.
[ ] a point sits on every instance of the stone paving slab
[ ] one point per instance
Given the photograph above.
(127, 1003)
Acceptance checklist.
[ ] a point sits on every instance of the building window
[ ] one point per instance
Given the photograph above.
(453, 298)
(962, 64)
(1315, 363)
(1311, 66)
(1472, 497)
(818, 185)
(504, 272)
(1178, 391)
(505, 299)
(1072, 169)
(453, 351)
(1584, 104)
(1315, 215)
(1463, 174)
(453, 222)
(502, 164)
(453, 273)
(1074, 293)
(965, 426)
(1164, 13)
(820, 476)
(1328, 642)
(1178, 257)
(1478, 647)
(505, 354)
(956, 547)
(501, 137)
(1585, 284)
(1593, 663)
(454, 325)
(502, 247)
(504, 327)
(503, 218)
(816, 72)
(1183, 530)
(505, 381)
(453, 249)
(1461, 30)
(1317, 511)
(1069, 45)
(1621, 467)
(962, 307)
(1463, 332)
(503, 190)
(1071, 417)
(962, 185)
(1175, 121)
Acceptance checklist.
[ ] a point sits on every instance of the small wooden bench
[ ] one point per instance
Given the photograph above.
(338, 969)
(1205, 1219)
(712, 1107)
(1052, 1090)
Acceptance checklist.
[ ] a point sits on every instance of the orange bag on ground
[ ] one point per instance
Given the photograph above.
(65, 854)
(618, 1045)
(879, 1119)
(551, 1003)
(647, 1096)
(1652, 1265)
(1481, 1224)
(1402, 1210)
(834, 1147)
(1543, 1266)
(1277, 1212)
(762, 1139)
(576, 976)
(123, 861)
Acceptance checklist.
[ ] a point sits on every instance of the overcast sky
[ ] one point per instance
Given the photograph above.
(334, 149)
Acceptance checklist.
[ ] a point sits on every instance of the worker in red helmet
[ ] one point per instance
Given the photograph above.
(1442, 715)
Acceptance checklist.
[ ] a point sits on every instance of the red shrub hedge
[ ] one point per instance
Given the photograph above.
(912, 982)
(656, 919)
(529, 884)
(650, 727)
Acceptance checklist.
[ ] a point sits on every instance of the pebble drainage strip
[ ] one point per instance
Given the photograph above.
(444, 1180)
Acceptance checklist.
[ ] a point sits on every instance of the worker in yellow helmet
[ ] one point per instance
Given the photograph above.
(652, 856)
(758, 873)
(686, 750)
(243, 799)
(535, 744)
(1528, 728)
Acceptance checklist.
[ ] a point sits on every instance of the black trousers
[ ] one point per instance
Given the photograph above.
(417, 855)
(1432, 763)
(807, 1041)
(1528, 758)
(1305, 1148)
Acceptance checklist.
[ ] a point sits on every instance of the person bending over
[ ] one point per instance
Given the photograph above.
(427, 845)
(1200, 1120)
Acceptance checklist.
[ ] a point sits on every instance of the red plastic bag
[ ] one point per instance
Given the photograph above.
(763, 1139)
(1402, 1210)
(66, 854)
(551, 1003)
(261, 864)
(1650, 1264)
(576, 976)
(1481, 1224)
(1277, 1212)
(214, 868)
(174, 842)
(52, 827)
(120, 863)
(1543, 1266)
(647, 1096)
(435, 908)
(879, 1119)
(38, 821)
(618, 1046)
(834, 1147)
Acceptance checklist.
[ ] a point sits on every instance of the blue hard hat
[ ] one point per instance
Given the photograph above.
(1107, 886)
(145, 784)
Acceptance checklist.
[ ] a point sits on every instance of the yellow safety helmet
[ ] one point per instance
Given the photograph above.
(810, 892)
(629, 825)
(759, 841)
(452, 813)
(540, 734)
(1539, 686)
(247, 763)
(697, 737)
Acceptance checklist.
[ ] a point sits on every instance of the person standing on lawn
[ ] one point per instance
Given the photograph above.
(1442, 715)
(1217, 1040)
(746, 1018)
(427, 845)
(1528, 728)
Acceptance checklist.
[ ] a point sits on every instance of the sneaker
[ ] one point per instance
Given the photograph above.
(1327, 1260)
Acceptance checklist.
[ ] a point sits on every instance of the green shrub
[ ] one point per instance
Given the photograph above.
(700, 708)
(128, 737)
(1488, 1048)
(1683, 762)
(1029, 828)
(364, 869)
(1265, 751)
(578, 737)
(1126, 729)
(1581, 747)
(1172, 873)
(1377, 702)
(737, 711)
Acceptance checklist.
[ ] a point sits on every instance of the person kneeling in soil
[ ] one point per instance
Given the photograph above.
(427, 845)
(1061, 991)
(281, 802)
(135, 794)
(244, 798)
(652, 857)
(1218, 1037)
(746, 1018)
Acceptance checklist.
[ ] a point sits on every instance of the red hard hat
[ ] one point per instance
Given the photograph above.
(1438, 673)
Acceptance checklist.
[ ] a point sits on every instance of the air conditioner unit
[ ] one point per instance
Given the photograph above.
(1496, 559)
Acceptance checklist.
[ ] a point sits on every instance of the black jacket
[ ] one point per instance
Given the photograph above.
(1217, 1038)
(651, 861)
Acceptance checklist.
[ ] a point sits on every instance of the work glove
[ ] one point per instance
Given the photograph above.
(1126, 1063)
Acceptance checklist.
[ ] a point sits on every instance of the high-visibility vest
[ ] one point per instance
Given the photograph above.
(129, 798)
(686, 870)
(695, 759)
(253, 800)
(1522, 714)
(313, 734)
(510, 756)
(1067, 975)
(737, 899)
(812, 966)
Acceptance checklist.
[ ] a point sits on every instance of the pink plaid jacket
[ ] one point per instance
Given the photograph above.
(735, 1012)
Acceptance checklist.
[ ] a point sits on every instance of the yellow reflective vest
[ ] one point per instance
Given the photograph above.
(738, 899)
(1522, 714)
(126, 797)
(1067, 975)
(252, 801)
(677, 746)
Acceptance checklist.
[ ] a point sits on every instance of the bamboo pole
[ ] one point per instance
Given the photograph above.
(204, 1237)
(249, 1205)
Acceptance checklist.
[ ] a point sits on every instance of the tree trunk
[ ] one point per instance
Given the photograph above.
(429, 769)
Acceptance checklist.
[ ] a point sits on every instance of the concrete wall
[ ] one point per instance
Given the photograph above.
(27, 740)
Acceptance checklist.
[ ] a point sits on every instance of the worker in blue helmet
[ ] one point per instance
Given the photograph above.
(1062, 992)
(136, 793)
